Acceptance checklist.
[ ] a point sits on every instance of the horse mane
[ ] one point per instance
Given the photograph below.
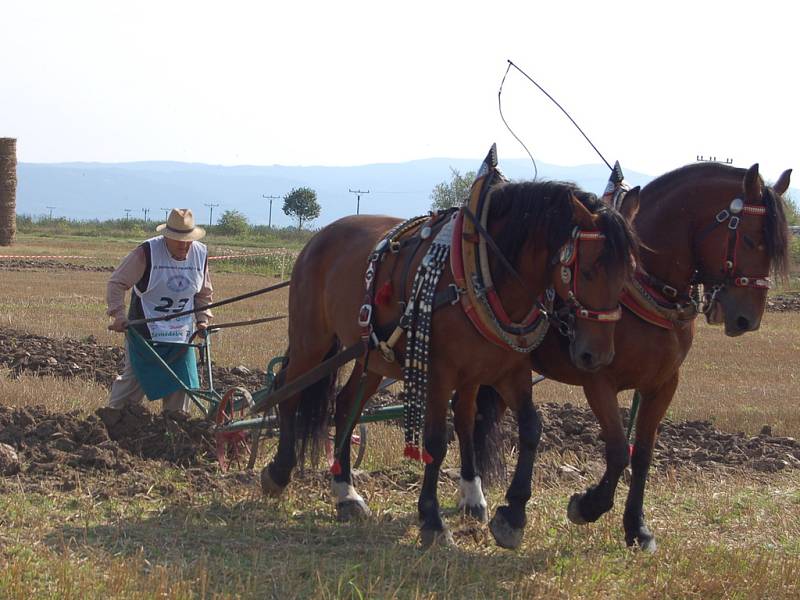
(776, 231)
(546, 207)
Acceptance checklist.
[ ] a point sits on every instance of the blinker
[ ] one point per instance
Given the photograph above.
(737, 204)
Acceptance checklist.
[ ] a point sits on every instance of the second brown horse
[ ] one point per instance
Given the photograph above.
(707, 224)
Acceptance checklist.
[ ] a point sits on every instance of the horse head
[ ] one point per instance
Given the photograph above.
(589, 273)
(736, 252)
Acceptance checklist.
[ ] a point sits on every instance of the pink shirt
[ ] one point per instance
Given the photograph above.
(131, 270)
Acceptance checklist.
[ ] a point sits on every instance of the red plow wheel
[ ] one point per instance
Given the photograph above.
(232, 446)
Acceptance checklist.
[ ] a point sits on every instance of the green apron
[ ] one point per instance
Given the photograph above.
(152, 376)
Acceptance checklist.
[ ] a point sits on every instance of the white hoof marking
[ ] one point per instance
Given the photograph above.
(471, 493)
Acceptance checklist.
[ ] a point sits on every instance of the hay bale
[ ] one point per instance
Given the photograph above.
(8, 190)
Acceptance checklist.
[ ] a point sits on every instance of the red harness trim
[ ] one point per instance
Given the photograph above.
(643, 312)
(458, 274)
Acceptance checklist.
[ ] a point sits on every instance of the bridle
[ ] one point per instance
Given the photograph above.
(572, 309)
(731, 276)
(565, 316)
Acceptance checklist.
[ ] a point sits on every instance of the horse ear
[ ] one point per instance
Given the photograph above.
(783, 182)
(752, 185)
(630, 204)
(584, 219)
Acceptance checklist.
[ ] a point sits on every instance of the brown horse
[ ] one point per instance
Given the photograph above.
(535, 226)
(706, 224)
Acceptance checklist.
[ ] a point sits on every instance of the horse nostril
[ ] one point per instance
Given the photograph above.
(587, 359)
(743, 324)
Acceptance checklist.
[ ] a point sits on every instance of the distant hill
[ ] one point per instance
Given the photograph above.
(105, 190)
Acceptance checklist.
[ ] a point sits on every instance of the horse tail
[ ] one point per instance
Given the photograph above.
(313, 413)
(489, 448)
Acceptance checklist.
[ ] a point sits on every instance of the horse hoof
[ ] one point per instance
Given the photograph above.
(436, 537)
(648, 545)
(268, 485)
(477, 512)
(352, 510)
(644, 539)
(504, 534)
(574, 510)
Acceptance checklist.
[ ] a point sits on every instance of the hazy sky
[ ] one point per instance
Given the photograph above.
(346, 83)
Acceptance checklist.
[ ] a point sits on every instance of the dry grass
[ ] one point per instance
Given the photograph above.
(59, 394)
(719, 538)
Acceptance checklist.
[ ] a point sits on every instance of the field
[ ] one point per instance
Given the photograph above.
(154, 529)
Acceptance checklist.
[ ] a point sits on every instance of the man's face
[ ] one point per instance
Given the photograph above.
(178, 249)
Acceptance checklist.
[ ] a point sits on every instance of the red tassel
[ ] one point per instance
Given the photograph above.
(630, 450)
(426, 458)
(411, 452)
(336, 468)
(384, 295)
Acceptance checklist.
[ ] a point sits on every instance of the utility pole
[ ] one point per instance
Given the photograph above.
(145, 211)
(358, 196)
(211, 213)
(166, 213)
(270, 198)
(51, 212)
(127, 213)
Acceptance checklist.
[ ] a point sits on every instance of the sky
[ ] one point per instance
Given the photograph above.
(653, 85)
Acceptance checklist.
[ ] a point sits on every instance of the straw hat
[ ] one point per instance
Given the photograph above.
(180, 226)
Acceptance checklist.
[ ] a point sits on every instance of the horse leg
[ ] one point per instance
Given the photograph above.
(599, 499)
(508, 524)
(276, 475)
(653, 407)
(471, 499)
(432, 528)
(349, 503)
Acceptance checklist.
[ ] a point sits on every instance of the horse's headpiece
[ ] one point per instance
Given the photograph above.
(616, 188)
(488, 175)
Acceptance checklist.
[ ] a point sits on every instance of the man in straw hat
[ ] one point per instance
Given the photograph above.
(168, 274)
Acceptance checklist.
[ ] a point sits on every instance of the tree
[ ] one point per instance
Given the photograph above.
(792, 210)
(232, 222)
(301, 204)
(452, 193)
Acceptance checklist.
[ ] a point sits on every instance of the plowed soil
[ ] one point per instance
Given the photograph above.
(52, 445)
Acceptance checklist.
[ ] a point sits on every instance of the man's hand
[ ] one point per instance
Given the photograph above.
(202, 325)
(120, 324)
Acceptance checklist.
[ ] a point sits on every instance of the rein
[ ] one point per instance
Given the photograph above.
(504, 261)
(270, 288)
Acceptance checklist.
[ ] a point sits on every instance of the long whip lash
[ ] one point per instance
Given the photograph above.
(554, 101)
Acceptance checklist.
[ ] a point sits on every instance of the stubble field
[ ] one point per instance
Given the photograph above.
(161, 530)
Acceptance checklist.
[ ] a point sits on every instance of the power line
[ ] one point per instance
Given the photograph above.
(51, 211)
(270, 198)
(211, 213)
(166, 213)
(127, 213)
(145, 211)
(358, 196)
